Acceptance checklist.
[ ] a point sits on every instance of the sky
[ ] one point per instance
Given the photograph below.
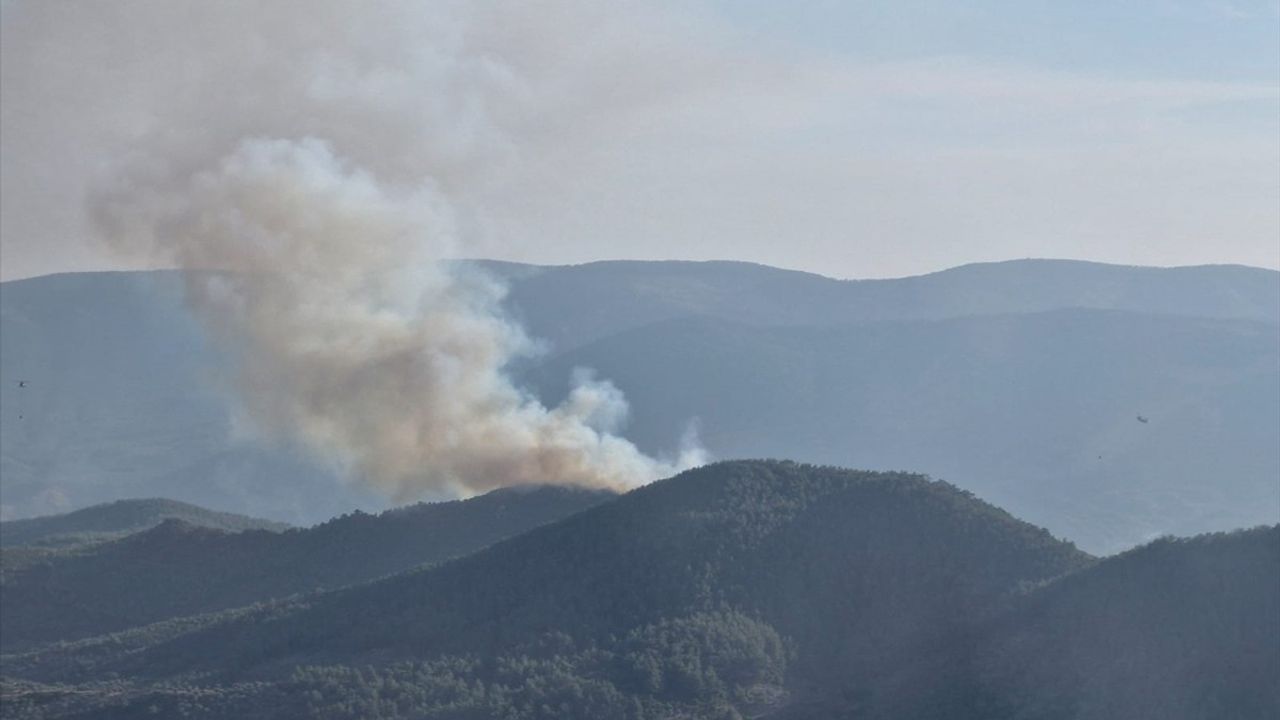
(852, 139)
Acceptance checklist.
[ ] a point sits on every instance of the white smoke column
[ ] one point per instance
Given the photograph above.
(314, 161)
(350, 336)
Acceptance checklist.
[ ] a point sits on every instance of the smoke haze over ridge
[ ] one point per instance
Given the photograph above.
(570, 130)
(324, 195)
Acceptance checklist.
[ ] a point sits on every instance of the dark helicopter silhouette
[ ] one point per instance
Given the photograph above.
(21, 414)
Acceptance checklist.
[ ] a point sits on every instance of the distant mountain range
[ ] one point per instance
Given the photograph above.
(1037, 412)
(1021, 381)
(122, 517)
(746, 589)
(577, 304)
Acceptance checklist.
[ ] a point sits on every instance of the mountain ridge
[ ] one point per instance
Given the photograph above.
(1059, 443)
(150, 414)
(122, 517)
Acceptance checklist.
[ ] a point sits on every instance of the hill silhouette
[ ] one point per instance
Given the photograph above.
(122, 517)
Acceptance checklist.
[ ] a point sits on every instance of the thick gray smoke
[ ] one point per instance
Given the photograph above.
(320, 178)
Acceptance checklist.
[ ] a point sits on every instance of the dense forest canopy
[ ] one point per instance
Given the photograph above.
(178, 568)
(741, 589)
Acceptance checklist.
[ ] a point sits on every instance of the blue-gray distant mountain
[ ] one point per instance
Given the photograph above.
(121, 400)
(1037, 412)
(122, 517)
(956, 373)
(576, 304)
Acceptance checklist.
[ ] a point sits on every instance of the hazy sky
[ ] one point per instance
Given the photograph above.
(848, 138)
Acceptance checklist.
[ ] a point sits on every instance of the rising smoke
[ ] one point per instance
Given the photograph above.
(316, 184)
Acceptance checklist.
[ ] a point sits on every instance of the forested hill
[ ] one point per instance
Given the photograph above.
(1180, 629)
(791, 543)
(729, 586)
(123, 517)
(743, 589)
(180, 569)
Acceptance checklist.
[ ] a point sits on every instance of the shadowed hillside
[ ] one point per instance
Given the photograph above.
(180, 569)
(739, 585)
(748, 589)
(1178, 629)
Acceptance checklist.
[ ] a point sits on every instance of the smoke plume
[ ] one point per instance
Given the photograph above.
(316, 185)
